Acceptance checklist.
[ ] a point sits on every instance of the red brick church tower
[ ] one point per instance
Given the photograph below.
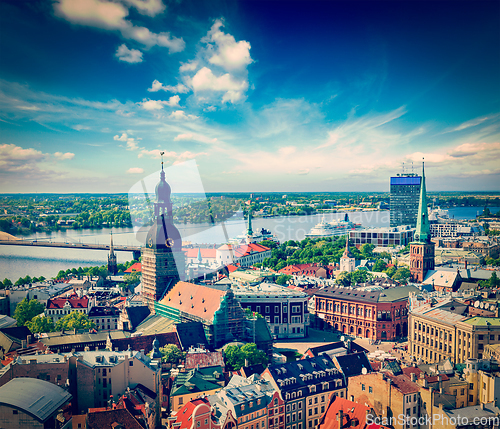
(422, 249)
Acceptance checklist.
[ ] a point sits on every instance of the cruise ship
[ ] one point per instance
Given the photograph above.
(332, 229)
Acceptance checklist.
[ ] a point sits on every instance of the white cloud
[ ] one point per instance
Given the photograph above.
(135, 170)
(128, 55)
(190, 66)
(63, 156)
(147, 7)
(229, 54)
(158, 86)
(131, 142)
(153, 105)
(80, 127)
(14, 158)
(109, 15)
(287, 150)
(179, 115)
(205, 80)
(194, 137)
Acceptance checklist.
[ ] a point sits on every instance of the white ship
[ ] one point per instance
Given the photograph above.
(334, 228)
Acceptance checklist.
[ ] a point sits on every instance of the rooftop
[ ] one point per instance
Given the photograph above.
(483, 321)
(40, 399)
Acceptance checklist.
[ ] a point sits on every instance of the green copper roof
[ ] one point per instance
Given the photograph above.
(483, 321)
(422, 233)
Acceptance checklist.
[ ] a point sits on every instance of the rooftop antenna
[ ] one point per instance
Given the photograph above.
(403, 167)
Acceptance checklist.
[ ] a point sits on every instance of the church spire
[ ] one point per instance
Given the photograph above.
(249, 231)
(422, 232)
(112, 263)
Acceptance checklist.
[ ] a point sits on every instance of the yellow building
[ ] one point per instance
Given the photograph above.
(441, 331)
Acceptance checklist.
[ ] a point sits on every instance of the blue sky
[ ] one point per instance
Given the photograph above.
(264, 95)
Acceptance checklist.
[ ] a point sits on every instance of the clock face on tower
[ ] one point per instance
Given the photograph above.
(169, 242)
(150, 242)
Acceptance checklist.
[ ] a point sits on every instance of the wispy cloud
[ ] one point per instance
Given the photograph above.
(128, 55)
(64, 156)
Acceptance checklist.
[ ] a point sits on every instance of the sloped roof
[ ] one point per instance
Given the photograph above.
(354, 414)
(40, 399)
(105, 419)
(136, 314)
(155, 323)
(390, 294)
(353, 364)
(146, 341)
(134, 267)
(191, 334)
(204, 359)
(194, 299)
(185, 415)
(205, 253)
(318, 350)
(58, 303)
(195, 381)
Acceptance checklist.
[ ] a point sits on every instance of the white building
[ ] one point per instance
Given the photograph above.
(246, 255)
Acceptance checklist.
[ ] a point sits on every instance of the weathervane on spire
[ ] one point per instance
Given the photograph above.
(161, 154)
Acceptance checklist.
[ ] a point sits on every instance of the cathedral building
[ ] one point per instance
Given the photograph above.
(422, 249)
(163, 261)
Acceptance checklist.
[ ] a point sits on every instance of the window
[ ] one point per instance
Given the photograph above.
(276, 309)
(131, 363)
(370, 389)
(14, 412)
(362, 387)
(285, 309)
(198, 424)
(267, 309)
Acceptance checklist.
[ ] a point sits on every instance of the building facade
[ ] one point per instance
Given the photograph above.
(374, 314)
(405, 189)
(285, 310)
(383, 237)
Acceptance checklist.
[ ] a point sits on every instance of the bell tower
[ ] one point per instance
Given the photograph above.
(422, 249)
(162, 259)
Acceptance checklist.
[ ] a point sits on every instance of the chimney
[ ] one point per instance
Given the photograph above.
(23, 344)
(341, 418)
(465, 264)
(441, 390)
(441, 407)
(142, 353)
(28, 339)
(413, 377)
(482, 405)
(426, 383)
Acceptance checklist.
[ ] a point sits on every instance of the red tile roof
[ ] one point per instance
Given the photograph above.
(204, 359)
(106, 419)
(354, 415)
(205, 253)
(231, 268)
(403, 383)
(185, 415)
(58, 303)
(194, 299)
(244, 250)
(137, 267)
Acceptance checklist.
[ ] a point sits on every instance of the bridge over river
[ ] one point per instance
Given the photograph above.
(136, 250)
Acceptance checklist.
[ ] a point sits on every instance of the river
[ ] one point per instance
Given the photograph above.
(20, 261)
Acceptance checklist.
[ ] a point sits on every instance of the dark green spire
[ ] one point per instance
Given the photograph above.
(423, 232)
(249, 231)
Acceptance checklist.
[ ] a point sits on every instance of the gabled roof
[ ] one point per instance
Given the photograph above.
(40, 399)
(155, 323)
(194, 299)
(58, 303)
(185, 415)
(196, 381)
(354, 415)
(244, 250)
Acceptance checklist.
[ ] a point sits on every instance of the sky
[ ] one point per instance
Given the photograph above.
(262, 95)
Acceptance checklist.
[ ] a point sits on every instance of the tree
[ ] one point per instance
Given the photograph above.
(75, 320)
(493, 281)
(268, 243)
(171, 353)
(132, 279)
(379, 266)
(40, 324)
(283, 279)
(60, 275)
(367, 250)
(236, 357)
(26, 310)
(7, 283)
(402, 275)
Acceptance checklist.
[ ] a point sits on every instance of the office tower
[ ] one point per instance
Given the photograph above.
(405, 190)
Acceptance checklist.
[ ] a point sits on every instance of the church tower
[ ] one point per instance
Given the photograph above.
(162, 259)
(422, 249)
(112, 265)
(249, 229)
(347, 261)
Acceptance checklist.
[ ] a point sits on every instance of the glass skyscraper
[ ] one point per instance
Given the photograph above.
(405, 192)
